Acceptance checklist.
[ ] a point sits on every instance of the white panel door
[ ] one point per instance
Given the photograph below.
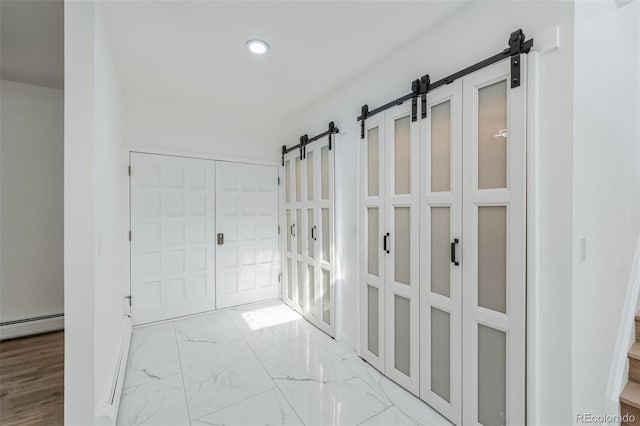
(402, 284)
(373, 233)
(318, 236)
(493, 248)
(246, 233)
(441, 270)
(289, 290)
(173, 244)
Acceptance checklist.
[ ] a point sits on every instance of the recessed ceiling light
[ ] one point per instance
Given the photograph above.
(258, 47)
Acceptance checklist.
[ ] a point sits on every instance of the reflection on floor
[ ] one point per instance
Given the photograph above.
(257, 365)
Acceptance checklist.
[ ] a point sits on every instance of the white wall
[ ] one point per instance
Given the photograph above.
(185, 126)
(95, 206)
(111, 214)
(606, 201)
(31, 157)
(477, 31)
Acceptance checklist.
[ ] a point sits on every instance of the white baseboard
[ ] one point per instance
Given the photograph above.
(30, 326)
(107, 409)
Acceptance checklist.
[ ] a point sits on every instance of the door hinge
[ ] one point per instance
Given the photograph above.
(129, 235)
(129, 170)
(278, 229)
(129, 299)
(279, 277)
(278, 180)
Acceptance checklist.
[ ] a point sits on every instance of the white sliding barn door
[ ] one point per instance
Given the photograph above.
(289, 238)
(308, 237)
(373, 264)
(390, 286)
(319, 236)
(246, 233)
(402, 261)
(493, 248)
(172, 236)
(441, 273)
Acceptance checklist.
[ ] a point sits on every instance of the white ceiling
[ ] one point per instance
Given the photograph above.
(196, 49)
(32, 42)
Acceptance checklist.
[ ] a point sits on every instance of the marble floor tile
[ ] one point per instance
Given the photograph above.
(419, 412)
(332, 402)
(268, 408)
(218, 374)
(301, 358)
(213, 327)
(390, 416)
(256, 365)
(153, 355)
(157, 403)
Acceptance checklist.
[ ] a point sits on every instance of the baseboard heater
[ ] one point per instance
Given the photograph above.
(107, 414)
(32, 325)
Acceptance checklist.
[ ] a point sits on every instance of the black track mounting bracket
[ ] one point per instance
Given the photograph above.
(415, 90)
(284, 151)
(516, 41)
(364, 113)
(425, 80)
(304, 139)
(332, 130)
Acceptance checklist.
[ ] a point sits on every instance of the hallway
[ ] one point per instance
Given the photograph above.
(259, 364)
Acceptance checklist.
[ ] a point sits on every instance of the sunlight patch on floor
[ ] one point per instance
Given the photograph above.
(269, 317)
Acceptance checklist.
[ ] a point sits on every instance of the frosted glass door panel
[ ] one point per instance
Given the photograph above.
(289, 280)
(312, 290)
(440, 147)
(440, 251)
(492, 136)
(289, 229)
(310, 177)
(296, 230)
(372, 320)
(298, 180)
(373, 162)
(311, 237)
(492, 378)
(402, 332)
(492, 257)
(440, 354)
(373, 240)
(326, 297)
(301, 285)
(402, 156)
(402, 245)
(326, 245)
(324, 168)
(287, 180)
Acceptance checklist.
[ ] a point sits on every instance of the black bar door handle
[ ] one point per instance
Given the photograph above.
(453, 251)
(293, 230)
(313, 233)
(385, 242)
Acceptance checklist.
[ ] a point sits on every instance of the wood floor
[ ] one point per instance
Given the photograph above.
(32, 380)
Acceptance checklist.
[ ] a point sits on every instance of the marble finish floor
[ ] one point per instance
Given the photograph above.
(261, 364)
